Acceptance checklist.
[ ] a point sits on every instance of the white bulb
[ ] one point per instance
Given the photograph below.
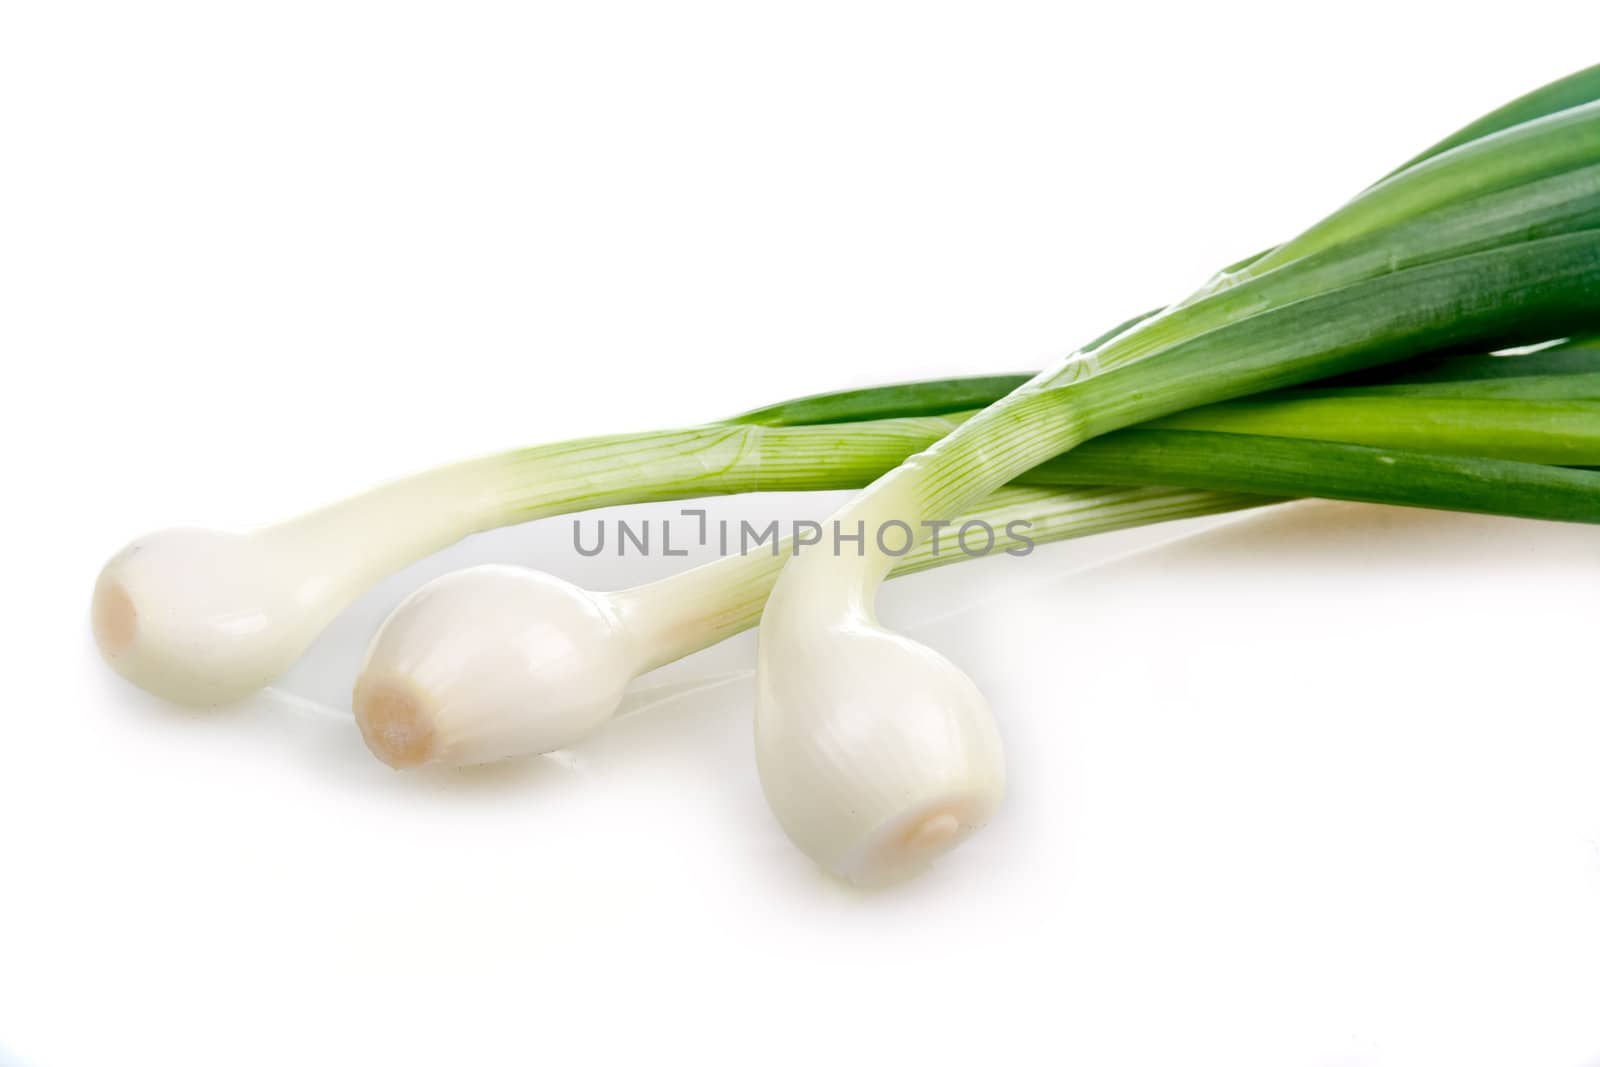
(207, 616)
(491, 662)
(876, 753)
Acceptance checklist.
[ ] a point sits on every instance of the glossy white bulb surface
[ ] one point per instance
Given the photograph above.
(876, 754)
(204, 616)
(208, 616)
(490, 662)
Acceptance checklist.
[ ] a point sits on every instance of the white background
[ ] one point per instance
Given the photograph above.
(1317, 788)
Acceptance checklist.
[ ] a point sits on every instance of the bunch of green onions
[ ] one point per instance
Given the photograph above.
(1355, 361)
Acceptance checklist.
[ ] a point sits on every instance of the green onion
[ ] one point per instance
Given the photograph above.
(875, 753)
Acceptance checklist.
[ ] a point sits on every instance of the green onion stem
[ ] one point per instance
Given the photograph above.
(1245, 463)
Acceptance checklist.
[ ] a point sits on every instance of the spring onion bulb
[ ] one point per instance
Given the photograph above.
(877, 754)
